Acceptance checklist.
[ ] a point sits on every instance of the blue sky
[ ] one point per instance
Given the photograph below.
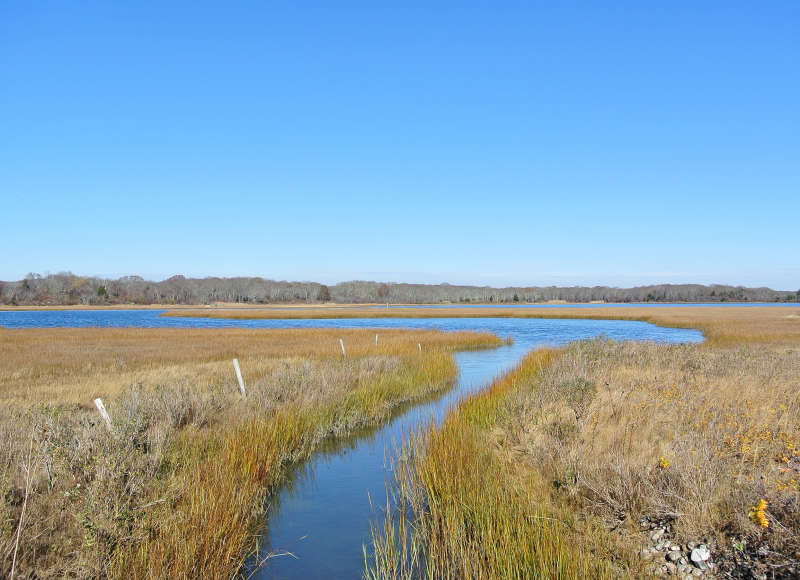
(491, 143)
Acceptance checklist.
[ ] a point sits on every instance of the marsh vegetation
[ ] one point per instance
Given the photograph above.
(560, 468)
(567, 465)
(176, 487)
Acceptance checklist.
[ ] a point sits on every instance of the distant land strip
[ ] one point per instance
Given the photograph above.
(67, 289)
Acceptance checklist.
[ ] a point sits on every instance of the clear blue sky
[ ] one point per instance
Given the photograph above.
(499, 143)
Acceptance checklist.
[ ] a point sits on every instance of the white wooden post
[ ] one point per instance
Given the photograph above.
(242, 390)
(344, 353)
(376, 340)
(419, 346)
(98, 402)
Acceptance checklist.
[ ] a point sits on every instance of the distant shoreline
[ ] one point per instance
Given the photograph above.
(60, 290)
(327, 305)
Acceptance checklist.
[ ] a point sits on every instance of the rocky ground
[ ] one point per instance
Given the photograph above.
(669, 558)
(742, 559)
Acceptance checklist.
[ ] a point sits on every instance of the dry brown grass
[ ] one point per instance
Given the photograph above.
(725, 418)
(693, 434)
(175, 487)
(74, 365)
(608, 433)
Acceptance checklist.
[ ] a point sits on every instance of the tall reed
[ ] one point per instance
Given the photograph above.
(460, 512)
(177, 487)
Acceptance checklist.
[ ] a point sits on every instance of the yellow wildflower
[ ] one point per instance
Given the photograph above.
(758, 513)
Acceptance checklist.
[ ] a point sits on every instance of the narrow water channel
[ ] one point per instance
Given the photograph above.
(321, 519)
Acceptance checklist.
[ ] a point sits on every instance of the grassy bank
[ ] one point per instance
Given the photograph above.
(463, 512)
(570, 465)
(176, 487)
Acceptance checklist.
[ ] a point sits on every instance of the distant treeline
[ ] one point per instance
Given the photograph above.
(69, 289)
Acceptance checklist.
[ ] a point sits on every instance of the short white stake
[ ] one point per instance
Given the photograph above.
(344, 353)
(239, 377)
(419, 346)
(98, 402)
(376, 340)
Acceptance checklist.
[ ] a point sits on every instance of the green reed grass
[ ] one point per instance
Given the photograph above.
(461, 512)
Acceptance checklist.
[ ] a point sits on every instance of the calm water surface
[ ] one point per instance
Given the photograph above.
(151, 318)
(323, 514)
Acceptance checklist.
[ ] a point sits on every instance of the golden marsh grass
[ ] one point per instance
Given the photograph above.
(576, 446)
(77, 364)
(176, 487)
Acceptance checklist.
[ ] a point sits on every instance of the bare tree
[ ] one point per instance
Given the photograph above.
(67, 288)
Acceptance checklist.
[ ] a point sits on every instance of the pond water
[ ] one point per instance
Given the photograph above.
(153, 318)
(322, 515)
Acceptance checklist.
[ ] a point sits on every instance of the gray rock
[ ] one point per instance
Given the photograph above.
(656, 535)
(691, 546)
(673, 556)
(700, 554)
(697, 572)
(662, 544)
(675, 548)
